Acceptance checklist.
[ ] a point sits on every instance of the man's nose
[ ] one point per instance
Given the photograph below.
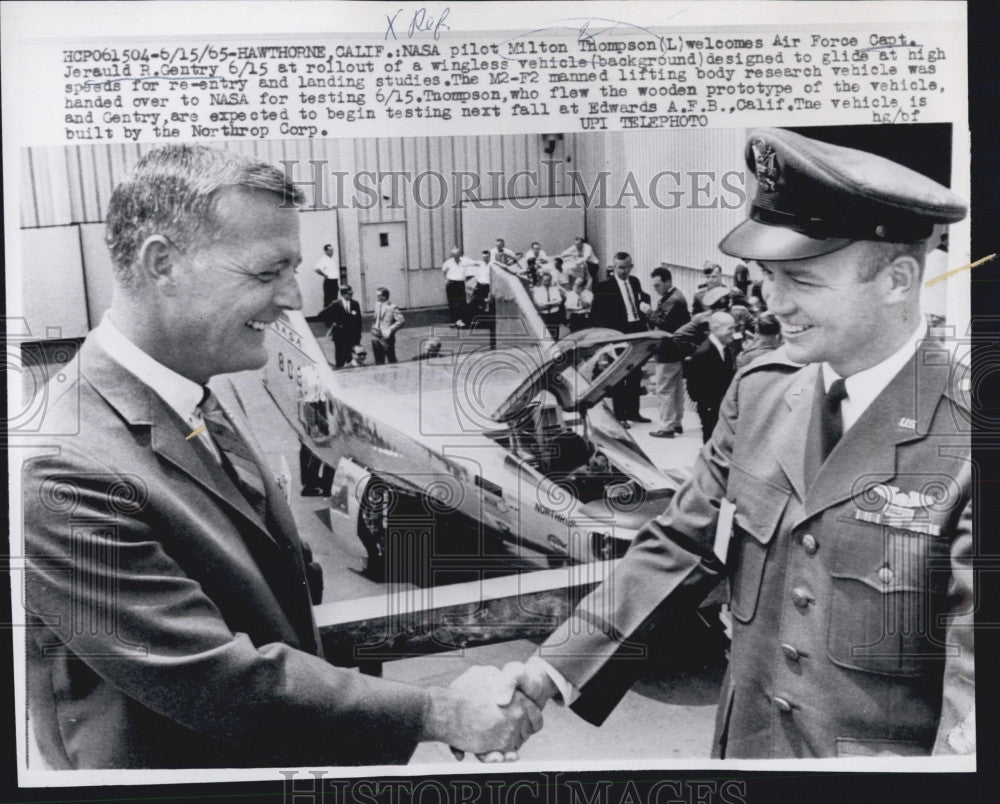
(289, 295)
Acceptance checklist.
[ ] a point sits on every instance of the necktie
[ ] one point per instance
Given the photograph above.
(832, 422)
(237, 458)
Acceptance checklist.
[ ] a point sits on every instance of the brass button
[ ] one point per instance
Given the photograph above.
(801, 597)
(782, 704)
(790, 652)
(809, 544)
(885, 575)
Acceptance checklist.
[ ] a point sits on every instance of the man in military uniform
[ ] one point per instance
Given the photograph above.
(839, 477)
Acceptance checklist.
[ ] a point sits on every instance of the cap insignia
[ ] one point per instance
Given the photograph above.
(766, 165)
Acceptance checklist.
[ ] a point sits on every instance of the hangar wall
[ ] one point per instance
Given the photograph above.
(666, 197)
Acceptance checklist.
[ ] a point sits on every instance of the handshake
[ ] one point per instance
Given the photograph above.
(488, 711)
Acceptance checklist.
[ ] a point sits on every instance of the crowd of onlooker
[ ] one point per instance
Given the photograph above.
(724, 327)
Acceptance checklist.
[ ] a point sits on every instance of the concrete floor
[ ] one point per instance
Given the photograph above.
(668, 714)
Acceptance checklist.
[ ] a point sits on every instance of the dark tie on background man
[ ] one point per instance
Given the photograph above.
(832, 421)
(237, 458)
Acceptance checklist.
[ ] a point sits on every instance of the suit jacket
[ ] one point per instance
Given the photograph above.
(851, 591)
(609, 306)
(707, 375)
(387, 320)
(169, 624)
(669, 315)
(345, 327)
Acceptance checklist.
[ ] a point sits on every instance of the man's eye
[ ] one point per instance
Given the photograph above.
(268, 276)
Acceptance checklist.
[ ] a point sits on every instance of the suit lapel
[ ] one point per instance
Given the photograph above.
(866, 454)
(142, 408)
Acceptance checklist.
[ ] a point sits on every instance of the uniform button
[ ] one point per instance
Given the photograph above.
(809, 544)
(790, 652)
(801, 597)
(885, 575)
(782, 704)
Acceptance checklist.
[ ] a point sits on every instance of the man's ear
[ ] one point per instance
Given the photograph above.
(156, 262)
(902, 277)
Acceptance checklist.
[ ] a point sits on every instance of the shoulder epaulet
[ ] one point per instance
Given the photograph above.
(776, 360)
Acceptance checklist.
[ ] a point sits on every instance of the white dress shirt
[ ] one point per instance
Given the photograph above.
(455, 268)
(631, 305)
(181, 395)
(863, 387)
(328, 267)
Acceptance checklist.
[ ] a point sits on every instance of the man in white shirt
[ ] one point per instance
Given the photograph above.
(328, 268)
(456, 268)
(503, 255)
(581, 255)
(835, 491)
(206, 654)
(548, 299)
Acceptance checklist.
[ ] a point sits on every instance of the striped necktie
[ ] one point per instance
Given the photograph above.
(237, 458)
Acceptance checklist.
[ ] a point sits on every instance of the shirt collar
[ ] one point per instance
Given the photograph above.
(181, 394)
(865, 386)
(719, 346)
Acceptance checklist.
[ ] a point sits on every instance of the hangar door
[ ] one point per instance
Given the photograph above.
(554, 222)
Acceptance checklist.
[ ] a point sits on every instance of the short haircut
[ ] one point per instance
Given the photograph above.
(173, 191)
(622, 255)
(328, 245)
(663, 273)
(347, 289)
(380, 291)
(767, 324)
(882, 254)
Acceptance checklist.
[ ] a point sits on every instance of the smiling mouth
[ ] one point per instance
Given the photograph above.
(794, 329)
(257, 326)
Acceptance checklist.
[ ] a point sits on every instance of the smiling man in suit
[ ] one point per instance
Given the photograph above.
(168, 597)
(840, 472)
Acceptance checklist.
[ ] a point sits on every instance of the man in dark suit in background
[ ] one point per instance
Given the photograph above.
(344, 319)
(710, 370)
(620, 303)
(174, 629)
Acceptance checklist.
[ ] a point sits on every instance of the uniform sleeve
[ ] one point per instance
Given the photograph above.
(669, 568)
(957, 728)
(109, 595)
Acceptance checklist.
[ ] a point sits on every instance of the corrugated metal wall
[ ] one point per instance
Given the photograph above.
(73, 184)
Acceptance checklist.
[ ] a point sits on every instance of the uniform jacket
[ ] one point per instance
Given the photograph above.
(609, 306)
(345, 327)
(851, 595)
(707, 375)
(169, 624)
(669, 315)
